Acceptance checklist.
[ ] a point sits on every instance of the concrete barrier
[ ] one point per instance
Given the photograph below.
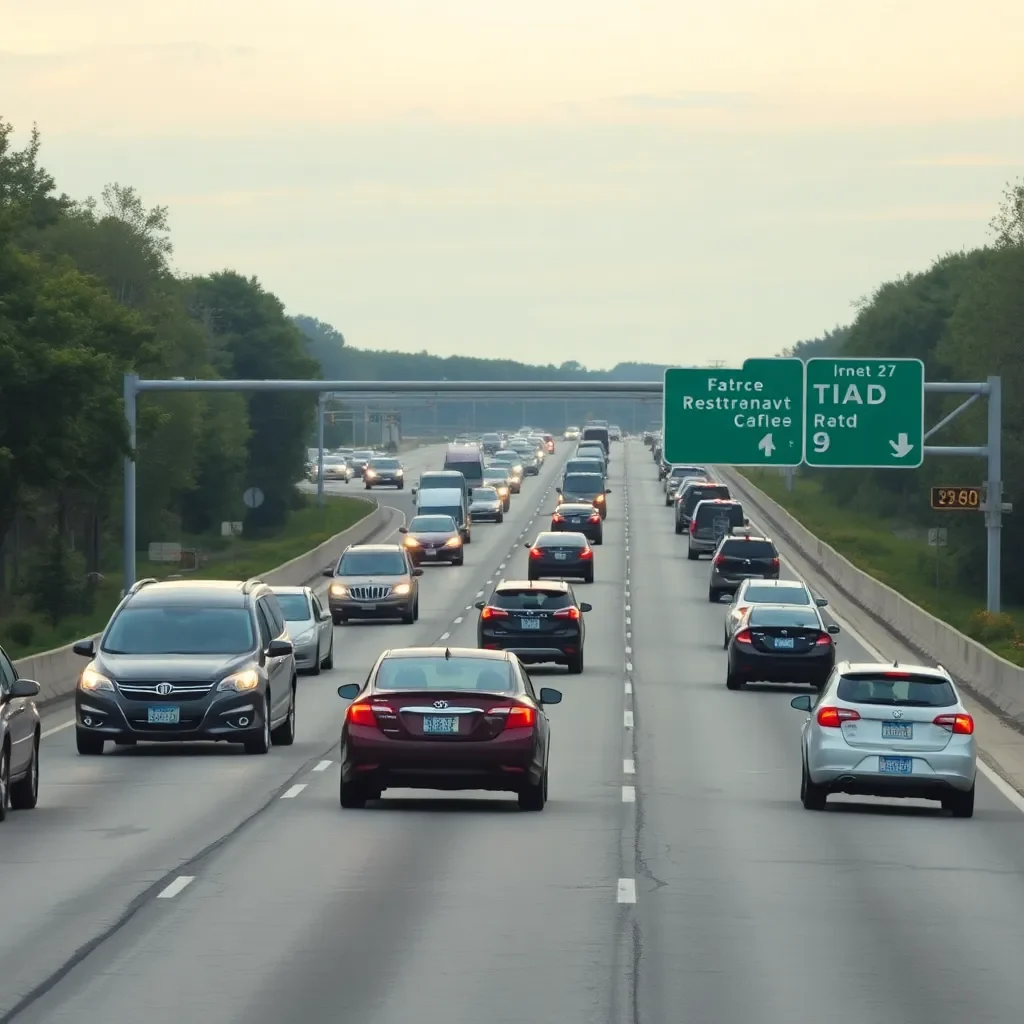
(57, 671)
(993, 679)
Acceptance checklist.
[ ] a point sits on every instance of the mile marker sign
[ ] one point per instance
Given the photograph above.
(864, 413)
(753, 416)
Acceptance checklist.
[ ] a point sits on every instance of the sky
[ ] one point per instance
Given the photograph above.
(597, 180)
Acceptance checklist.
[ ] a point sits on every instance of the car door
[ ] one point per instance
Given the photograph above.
(324, 626)
(275, 699)
(17, 720)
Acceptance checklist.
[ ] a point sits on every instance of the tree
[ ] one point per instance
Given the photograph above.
(1008, 223)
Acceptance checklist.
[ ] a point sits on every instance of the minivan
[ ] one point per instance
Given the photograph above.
(712, 520)
(444, 479)
(689, 496)
(599, 434)
(446, 501)
(467, 459)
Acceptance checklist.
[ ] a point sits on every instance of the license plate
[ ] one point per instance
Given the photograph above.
(575, 521)
(363, 606)
(784, 643)
(436, 724)
(895, 765)
(530, 623)
(429, 554)
(560, 556)
(897, 731)
(162, 716)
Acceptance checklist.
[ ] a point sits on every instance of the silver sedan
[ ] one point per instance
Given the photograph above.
(888, 731)
(310, 626)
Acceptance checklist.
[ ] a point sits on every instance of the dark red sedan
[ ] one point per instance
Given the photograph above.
(448, 719)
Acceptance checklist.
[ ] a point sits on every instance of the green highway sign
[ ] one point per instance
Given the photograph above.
(866, 413)
(753, 416)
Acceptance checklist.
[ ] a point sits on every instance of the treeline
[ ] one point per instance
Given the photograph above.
(87, 293)
(964, 317)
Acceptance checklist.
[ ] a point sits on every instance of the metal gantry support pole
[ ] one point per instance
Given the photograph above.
(321, 404)
(994, 495)
(131, 397)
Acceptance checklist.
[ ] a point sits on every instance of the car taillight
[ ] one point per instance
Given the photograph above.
(775, 563)
(833, 718)
(361, 713)
(519, 716)
(693, 526)
(536, 553)
(556, 518)
(823, 640)
(587, 553)
(567, 613)
(962, 724)
(596, 517)
(490, 612)
(719, 559)
(744, 637)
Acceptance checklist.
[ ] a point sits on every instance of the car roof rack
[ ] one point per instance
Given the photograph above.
(251, 584)
(139, 584)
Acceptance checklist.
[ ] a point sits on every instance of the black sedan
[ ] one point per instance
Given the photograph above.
(561, 555)
(781, 644)
(577, 517)
(538, 622)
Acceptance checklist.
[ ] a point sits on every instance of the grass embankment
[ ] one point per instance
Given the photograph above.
(23, 633)
(892, 556)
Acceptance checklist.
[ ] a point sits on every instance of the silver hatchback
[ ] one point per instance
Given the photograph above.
(889, 731)
(310, 627)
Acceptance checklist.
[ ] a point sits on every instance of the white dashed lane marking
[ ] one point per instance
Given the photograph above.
(629, 687)
(444, 636)
(628, 766)
(628, 795)
(458, 620)
(292, 792)
(627, 719)
(323, 766)
(626, 890)
(175, 887)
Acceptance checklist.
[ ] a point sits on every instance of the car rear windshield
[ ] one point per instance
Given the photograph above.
(531, 597)
(362, 456)
(777, 595)
(495, 474)
(702, 493)
(748, 549)
(333, 460)
(575, 509)
(561, 540)
(371, 563)
(798, 618)
(295, 607)
(444, 674)
(583, 483)
(898, 689)
(180, 629)
(432, 524)
(710, 513)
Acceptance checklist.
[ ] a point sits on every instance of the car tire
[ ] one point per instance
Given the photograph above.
(24, 794)
(725, 641)
(501, 517)
(812, 796)
(260, 744)
(530, 578)
(401, 487)
(575, 664)
(5, 781)
(679, 528)
(416, 609)
(960, 805)
(284, 734)
(733, 682)
(459, 561)
(329, 660)
(88, 745)
(366, 486)
(409, 617)
(589, 578)
(534, 796)
(338, 619)
(317, 664)
(714, 596)
(599, 539)
(352, 795)
(692, 555)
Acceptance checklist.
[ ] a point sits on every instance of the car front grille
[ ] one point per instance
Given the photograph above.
(370, 592)
(179, 692)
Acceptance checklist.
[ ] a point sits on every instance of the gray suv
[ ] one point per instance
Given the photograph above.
(374, 581)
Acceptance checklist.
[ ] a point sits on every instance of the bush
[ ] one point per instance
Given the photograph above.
(55, 581)
(987, 627)
(20, 632)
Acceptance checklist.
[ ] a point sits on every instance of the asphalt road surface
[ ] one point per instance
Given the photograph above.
(673, 876)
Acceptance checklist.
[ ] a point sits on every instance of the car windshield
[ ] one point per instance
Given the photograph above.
(799, 618)
(385, 463)
(484, 494)
(530, 597)
(776, 595)
(432, 524)
(748, 549)
(583, 483)
(362, 456)
(333, 460)
(371, 563)
(444, 674)
(295, 607)
(897, 689)
(180, 629)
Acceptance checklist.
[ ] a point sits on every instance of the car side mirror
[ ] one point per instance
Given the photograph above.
(820, 602)
(417, 572)
(279, 648)
(549, 695)
(329, 573)
(413, 491)
(480, 604)
(403, 529)
(85, 648)
(349, 691)
(608, 491)
(324, 614)
(25, 688)
(833, 629)
(801, 703)
(746, 522)
(584, 607)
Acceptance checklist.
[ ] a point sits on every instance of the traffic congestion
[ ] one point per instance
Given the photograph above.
(437, 672)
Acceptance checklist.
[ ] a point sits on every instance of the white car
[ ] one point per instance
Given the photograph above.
(888, 731)
(755, 591)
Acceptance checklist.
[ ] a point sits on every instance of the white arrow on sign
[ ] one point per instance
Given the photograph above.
(901, 447)
(767, 445)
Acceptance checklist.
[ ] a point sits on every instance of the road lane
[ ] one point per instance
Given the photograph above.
(458, 908)
(751, 908)
(109, 829)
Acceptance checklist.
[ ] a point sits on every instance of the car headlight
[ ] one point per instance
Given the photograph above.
(369, 472)
(338, 590)
(454, 542)
(400, 472)
(402, 589)
(241, 682)
(92, 681)
(411, 542)
(599, 497)
(503, 491)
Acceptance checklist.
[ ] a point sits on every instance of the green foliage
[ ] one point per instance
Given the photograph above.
(56, 579)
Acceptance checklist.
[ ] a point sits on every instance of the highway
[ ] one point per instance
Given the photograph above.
(673, 876)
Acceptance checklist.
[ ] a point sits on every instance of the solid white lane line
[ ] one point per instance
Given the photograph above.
(628, 766)
(293, 791)
(627, 719)
(323, 766)
(626, 891)
(444, 636)
(175, 887)
(458, 620)
(628, 795)
(56, 728)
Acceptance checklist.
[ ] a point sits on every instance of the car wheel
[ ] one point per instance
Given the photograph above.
(366, 486)
(530, 578)
(468, 538)
(416, 609)
(284, 734)
(353, 795)
(575, 664)
(960, 805)
(725, 641)
(260, 743)
(812, 796)
(409, 617)
(25, 792)
(88, 745)
(679, 527)
(501, 517)
(338, 619)
(401, 487)
(534, 796)
(732, 681)
(692, 555)
(599, 539)
(5, 781)
(329, 660)
(714, 596)
(317, 665)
